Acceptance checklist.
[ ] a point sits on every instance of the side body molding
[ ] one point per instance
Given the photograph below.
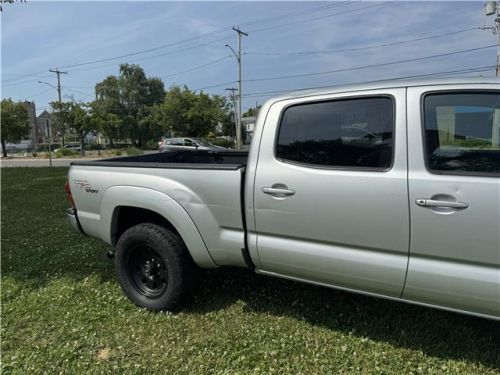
(163, 205)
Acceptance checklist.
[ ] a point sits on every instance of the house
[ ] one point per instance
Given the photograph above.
(249, 126)
(42, 123)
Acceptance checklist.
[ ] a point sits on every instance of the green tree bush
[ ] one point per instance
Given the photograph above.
(14, 122)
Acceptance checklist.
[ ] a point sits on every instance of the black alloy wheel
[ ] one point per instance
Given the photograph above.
(148, 271)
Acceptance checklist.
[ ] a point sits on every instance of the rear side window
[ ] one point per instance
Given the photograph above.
(177, 142)
(349, 133)
(462, 132)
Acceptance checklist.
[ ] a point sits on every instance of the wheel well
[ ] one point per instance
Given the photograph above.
(127, 217)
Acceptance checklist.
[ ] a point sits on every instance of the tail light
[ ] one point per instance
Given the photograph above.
(68, 195)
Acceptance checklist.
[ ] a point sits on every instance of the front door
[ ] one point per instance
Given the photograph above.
(455, 198)
(331, 199)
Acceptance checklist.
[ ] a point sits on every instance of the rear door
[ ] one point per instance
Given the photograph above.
(330, 194)
(454, 186)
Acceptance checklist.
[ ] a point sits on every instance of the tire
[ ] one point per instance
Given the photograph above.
(153, 267)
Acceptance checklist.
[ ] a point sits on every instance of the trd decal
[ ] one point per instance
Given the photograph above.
(85, 186)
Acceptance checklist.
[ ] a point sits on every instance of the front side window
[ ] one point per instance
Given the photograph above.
(462, 132)
(348, 133)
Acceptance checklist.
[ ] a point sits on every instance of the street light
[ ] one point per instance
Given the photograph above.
(48, 84)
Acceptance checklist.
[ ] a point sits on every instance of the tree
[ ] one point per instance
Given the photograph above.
(251, 112)
(130, 97)
(103, 121)
(187, 113)
(14, 122)
(77, 116)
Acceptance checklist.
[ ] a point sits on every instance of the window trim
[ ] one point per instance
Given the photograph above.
(424, 138)
(333, 167)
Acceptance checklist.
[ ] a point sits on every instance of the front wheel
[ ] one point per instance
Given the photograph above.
(153, 267)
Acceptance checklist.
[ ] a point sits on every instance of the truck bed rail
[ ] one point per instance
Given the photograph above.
(230, 160)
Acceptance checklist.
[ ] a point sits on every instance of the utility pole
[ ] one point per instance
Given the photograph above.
(233, 99)
(238, 59)
(493, 8)
(58, 72)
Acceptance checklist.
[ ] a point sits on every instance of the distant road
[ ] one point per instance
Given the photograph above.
(29, 162)
(35, 162)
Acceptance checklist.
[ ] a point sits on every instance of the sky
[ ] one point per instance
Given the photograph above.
(183, 43)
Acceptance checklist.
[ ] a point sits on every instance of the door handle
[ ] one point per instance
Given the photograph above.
(425, 202)
(278, 192)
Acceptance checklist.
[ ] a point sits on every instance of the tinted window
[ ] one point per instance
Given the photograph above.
(462, 132)
(342, 133)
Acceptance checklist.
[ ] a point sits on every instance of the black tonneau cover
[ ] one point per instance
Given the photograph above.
(224, 159)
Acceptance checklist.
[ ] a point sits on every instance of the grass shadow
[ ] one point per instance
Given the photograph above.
(435, 332)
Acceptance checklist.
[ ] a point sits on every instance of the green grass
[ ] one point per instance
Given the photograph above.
(63, 312)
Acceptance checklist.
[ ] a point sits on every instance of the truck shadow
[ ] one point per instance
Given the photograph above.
(436, 333)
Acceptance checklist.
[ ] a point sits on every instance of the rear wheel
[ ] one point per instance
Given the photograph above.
(153, 267)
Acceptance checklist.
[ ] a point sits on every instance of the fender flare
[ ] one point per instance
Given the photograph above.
(160, 203)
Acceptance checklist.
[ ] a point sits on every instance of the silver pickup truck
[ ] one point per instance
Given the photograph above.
(389, 189)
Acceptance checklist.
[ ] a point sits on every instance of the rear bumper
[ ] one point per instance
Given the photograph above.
(73, 220)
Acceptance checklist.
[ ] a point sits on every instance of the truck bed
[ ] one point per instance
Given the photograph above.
(206, 184)
(224, 159)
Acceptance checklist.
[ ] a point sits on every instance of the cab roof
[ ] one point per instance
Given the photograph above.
(385, 84)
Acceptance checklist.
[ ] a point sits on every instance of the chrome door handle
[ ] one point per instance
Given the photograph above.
(278, 191)
(424, 202)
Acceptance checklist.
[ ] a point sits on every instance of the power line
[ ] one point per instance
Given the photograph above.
(78, 92)
(180, 42)
(23, 76)
(39, 93)
(448, 72)
(362, 47)
(216, 85)
(198, 67)
(142, 51)
(9, 83)
(369, 66)
(298, 13)
(269, 53)
(154, 56)
(217, 31)
(140, 59)
(321, 17)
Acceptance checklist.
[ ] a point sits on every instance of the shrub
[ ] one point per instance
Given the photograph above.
(93, 147)
(116, 152)
(222, 142)
(65, 152)
(151, 145)
(132, 151)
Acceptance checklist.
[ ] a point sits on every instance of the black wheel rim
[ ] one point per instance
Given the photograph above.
(148, 271)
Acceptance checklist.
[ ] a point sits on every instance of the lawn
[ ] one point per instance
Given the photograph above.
(63, 312)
